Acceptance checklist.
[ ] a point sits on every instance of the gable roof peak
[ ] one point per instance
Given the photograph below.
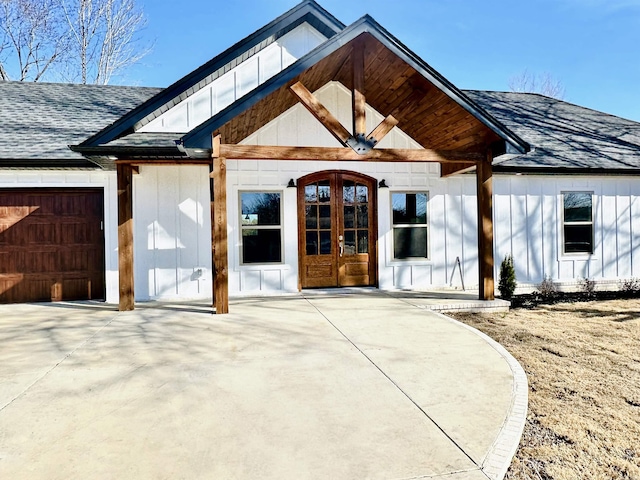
(306, 11)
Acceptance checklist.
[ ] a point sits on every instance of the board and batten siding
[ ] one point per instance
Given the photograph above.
(528, 224)
(238, 81)
(172, 233)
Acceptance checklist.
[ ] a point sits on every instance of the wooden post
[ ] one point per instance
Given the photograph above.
(484, 172)
(125, 237)
(358, 98)
(219, 231)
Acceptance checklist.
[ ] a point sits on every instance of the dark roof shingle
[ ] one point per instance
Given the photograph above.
(39, 120)
(562, 135)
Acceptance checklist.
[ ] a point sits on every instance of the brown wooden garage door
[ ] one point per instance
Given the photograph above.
(51, 245)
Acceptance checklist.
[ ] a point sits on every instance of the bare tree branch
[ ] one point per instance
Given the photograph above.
(33, 36)
(105, 37)
(545, 84)
(87, 41)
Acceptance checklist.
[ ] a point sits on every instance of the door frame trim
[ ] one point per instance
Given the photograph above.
(373, 228)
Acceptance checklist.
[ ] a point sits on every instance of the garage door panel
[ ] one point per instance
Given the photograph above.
(51, 245)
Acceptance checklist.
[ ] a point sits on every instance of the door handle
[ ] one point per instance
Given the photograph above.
(340, 244)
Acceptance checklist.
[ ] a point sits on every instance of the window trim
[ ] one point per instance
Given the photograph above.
(242, 227)
(410, 260)
(563, 242)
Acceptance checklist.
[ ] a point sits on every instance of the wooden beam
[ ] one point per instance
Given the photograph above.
(219, 233)
(484, 184)
(319, 111)
(260, 152)
(449, 169)
(124, 175)
(358, 99)
(384, 127)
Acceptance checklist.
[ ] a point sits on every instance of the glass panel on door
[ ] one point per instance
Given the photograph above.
(317, 197)
(355, 199)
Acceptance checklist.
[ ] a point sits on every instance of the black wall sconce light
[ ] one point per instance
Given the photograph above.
(292, 183)
(383, 184)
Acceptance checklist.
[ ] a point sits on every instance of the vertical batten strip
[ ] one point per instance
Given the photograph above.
(358, 98)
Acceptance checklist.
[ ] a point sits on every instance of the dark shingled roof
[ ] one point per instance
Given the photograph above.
(39, 120)
(562, 135)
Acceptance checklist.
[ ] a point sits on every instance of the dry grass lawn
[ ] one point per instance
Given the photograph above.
(583, 365)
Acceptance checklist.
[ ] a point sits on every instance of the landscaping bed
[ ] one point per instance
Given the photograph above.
(582, 360)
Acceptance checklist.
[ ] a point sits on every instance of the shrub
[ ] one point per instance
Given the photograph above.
(547, 288)
(507, 282)
(630, 286)
(587, 286)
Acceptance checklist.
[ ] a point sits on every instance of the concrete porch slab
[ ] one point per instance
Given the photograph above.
(320, 386)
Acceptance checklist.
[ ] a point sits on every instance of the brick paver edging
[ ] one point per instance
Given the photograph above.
(497, 461)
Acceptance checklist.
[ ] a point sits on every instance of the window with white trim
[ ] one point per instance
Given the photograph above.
(261, 227)
(577, 218)
(409, 225)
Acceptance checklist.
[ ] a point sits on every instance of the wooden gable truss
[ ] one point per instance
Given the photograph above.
(427, 108)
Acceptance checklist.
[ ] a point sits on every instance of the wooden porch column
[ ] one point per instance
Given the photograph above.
(484, 182)
(125, 237)
(219, 230)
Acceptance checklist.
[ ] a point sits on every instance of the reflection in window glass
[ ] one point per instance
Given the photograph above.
(410, 229)
(261, 227)
(578, 222)
(317, 197)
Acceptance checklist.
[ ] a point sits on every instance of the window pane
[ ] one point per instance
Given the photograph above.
(578, 238)
(349, 192)
(325, 217)
(324, 191)
(409, 208)
(311, 193)
(325, 242)
(363, 241)
(577, 207)
(362, 194)
(349, 216)
(312, 243)
(349, 242)
(260, 208)
(261, 246)
(410, 242)
(311, 215)
(363, 216)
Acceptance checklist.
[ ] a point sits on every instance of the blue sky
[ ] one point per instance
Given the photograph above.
(591, 46)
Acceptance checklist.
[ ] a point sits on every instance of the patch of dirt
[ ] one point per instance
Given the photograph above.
(582, 361)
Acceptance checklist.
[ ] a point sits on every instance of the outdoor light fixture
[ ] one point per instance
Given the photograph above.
(383, 184)
(291, 184)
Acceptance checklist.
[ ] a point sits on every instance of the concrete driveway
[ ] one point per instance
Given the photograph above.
(321, 385)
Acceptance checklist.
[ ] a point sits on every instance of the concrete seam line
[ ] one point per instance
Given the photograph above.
(45, 374)
(395, 385)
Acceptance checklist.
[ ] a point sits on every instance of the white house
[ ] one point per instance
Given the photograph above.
(327, 155)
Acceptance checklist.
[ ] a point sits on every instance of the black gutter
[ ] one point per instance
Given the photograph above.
(120, 151)
(565, 171)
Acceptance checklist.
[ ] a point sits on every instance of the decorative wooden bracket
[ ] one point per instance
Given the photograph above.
(359, 141)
